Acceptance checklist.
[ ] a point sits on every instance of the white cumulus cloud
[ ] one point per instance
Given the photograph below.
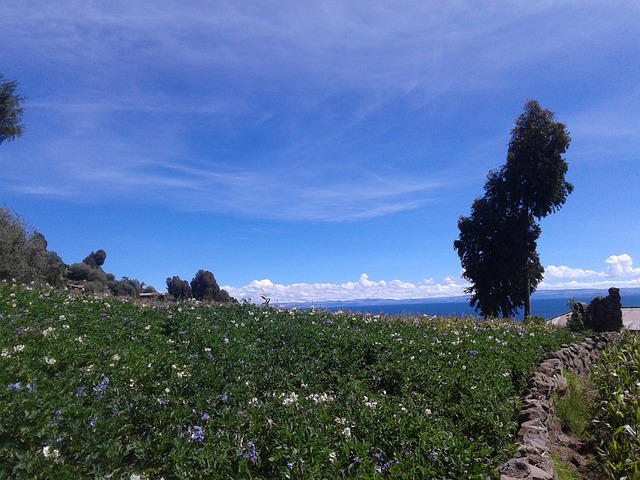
(619, 272)
(363, 288)
(563, 272)
(621, 266)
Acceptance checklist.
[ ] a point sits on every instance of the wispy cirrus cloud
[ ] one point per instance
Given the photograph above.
(271, 105)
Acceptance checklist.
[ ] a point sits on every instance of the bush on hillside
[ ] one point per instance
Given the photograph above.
(23, 253)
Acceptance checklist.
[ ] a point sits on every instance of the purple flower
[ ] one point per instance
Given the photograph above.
(473, 353)
(81, 392)
(92, 423)
(432, 457)
(290, 465)
(102, 386)
(196, 434)
(14, 387)
(250, 452)
(224, 398)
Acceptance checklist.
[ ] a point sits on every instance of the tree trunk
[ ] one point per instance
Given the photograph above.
(527, 296)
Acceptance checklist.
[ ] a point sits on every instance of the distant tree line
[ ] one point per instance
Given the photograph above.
(24, 257)
(202, 287)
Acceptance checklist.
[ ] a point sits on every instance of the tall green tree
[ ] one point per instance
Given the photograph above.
(10, 110)
(498, 241)
(204, 286)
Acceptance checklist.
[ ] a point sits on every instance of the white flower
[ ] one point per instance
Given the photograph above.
(347, 432)
(333, 457)
(427, 411)
(48, 331)
(321, 397)
(148, 327)
(290, 399)
(18, 348)
(49, 452)
(371, 405)
(115, 357)
(135, 476)
(50, 360)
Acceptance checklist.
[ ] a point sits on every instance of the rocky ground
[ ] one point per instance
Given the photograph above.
(579, 455)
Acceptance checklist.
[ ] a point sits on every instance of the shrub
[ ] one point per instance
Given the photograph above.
(84, 272)
(23, 251)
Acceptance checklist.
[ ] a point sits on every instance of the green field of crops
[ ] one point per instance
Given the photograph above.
(618, 416)
(100, 388)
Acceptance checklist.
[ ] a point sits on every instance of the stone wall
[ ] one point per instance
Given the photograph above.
(538, 425)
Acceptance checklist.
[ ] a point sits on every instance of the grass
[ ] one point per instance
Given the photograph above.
(618, 417)
(99, 388)
(564, 471)
(577, 409)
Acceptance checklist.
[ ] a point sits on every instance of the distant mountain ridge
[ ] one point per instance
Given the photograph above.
(586, 294)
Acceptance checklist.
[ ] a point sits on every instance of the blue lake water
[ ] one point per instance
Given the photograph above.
(541, 307)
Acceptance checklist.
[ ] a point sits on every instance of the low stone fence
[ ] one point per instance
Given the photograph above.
(538, 424)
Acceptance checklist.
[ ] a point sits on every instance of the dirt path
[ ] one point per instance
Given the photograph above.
(579, 455)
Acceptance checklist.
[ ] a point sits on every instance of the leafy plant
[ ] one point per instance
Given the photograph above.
(98, 387)
(618, 419)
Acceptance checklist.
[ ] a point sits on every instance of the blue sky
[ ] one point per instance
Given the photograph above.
(316, 150)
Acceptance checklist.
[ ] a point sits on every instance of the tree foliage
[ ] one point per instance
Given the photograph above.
(535, 169)
(178, 288)
(204, 286)
(96, 259)
(10, 111)
(498, 240)
(23, 253)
